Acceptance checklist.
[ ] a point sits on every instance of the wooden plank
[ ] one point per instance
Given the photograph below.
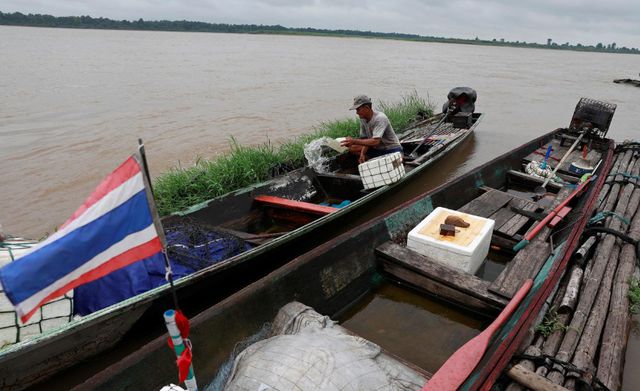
(487, 204)
(294, 205)
(514, 225)
(429, 275)
(524, 265)
(530, 180)
(505, 214)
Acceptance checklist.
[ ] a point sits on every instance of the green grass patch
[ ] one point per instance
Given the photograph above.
(179, 188)
(551, 323)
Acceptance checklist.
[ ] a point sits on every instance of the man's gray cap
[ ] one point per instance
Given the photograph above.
(359, 101)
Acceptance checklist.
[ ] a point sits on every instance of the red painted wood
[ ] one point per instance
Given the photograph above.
(561, 215)
(461, 363)
(555, 211)
(295, 205)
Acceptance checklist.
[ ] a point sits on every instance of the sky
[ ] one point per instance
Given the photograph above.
(574, 21)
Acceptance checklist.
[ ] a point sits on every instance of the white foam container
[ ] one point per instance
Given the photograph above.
(465, 251)
(382, 170)
(52, 314)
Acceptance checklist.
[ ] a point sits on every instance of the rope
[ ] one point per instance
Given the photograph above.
(619, 234)
(635, 146)
(625, 175)
(169, 277)
(604, 214)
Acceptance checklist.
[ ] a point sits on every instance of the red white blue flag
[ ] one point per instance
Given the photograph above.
(116, 226)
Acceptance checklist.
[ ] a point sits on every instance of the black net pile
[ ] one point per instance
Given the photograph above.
(194, 246)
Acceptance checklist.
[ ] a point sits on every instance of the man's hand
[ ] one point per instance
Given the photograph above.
(347, 142)
(362, 158)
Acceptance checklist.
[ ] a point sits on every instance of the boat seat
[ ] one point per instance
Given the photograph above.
(294, 205)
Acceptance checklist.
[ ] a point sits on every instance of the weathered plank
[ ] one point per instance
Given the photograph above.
(518, 221)
(505, 213)
(524, 265)
(429, 275)
(487, 204)
(527, 180)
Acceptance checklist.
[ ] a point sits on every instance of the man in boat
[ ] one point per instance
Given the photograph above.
(460, 100)
(377, 136)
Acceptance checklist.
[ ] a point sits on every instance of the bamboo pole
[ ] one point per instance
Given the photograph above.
(570, 298)
(582, 252)
(615, 188)
(588, 344)
(586, 326)
(592, 281)
(531, 380)
(533, 350)
(616, 332)
(604, 193)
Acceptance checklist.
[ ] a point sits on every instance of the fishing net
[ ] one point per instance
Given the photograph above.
(194, 246)
(308, 351)
(534, 168)
(50, 316)
(225, 369)
(191, 247)
(320, 151)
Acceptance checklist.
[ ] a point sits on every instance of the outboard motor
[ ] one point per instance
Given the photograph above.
(461, 100)
(460, 106)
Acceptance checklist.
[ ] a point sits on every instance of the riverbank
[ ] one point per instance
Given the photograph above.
(87, 22)
(182, 187)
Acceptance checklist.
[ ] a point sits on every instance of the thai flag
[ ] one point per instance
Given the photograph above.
(116, 226)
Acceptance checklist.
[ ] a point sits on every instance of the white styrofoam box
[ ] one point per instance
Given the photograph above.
(382, 170)
(465, 251)
(54, 313)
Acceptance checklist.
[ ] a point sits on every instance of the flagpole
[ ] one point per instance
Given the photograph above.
(181, 343)
(167, 264)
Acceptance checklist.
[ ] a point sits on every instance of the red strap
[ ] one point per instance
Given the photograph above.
(184, 362)
(183, 324)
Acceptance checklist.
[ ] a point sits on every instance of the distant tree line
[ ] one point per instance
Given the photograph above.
(87, 22)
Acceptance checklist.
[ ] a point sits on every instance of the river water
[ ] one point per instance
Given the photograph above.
(73, 103)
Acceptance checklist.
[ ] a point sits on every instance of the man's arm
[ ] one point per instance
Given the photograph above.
(365, 142)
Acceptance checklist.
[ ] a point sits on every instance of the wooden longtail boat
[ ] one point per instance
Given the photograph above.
(277, 219)
(335, 277)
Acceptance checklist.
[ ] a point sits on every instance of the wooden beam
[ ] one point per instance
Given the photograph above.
(294, 205)
(530, 180)
(524, 265)
(531, 380)
(438, 279)
(487, 204)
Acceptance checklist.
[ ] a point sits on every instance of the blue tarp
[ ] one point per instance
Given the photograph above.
(186, 254)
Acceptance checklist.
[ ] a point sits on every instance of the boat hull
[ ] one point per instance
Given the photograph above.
(137, 319)
(335, 274)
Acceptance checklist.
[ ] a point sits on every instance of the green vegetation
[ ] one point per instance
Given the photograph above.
(87, 22)
(550, 323)
(634, 295)
(180, 188)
